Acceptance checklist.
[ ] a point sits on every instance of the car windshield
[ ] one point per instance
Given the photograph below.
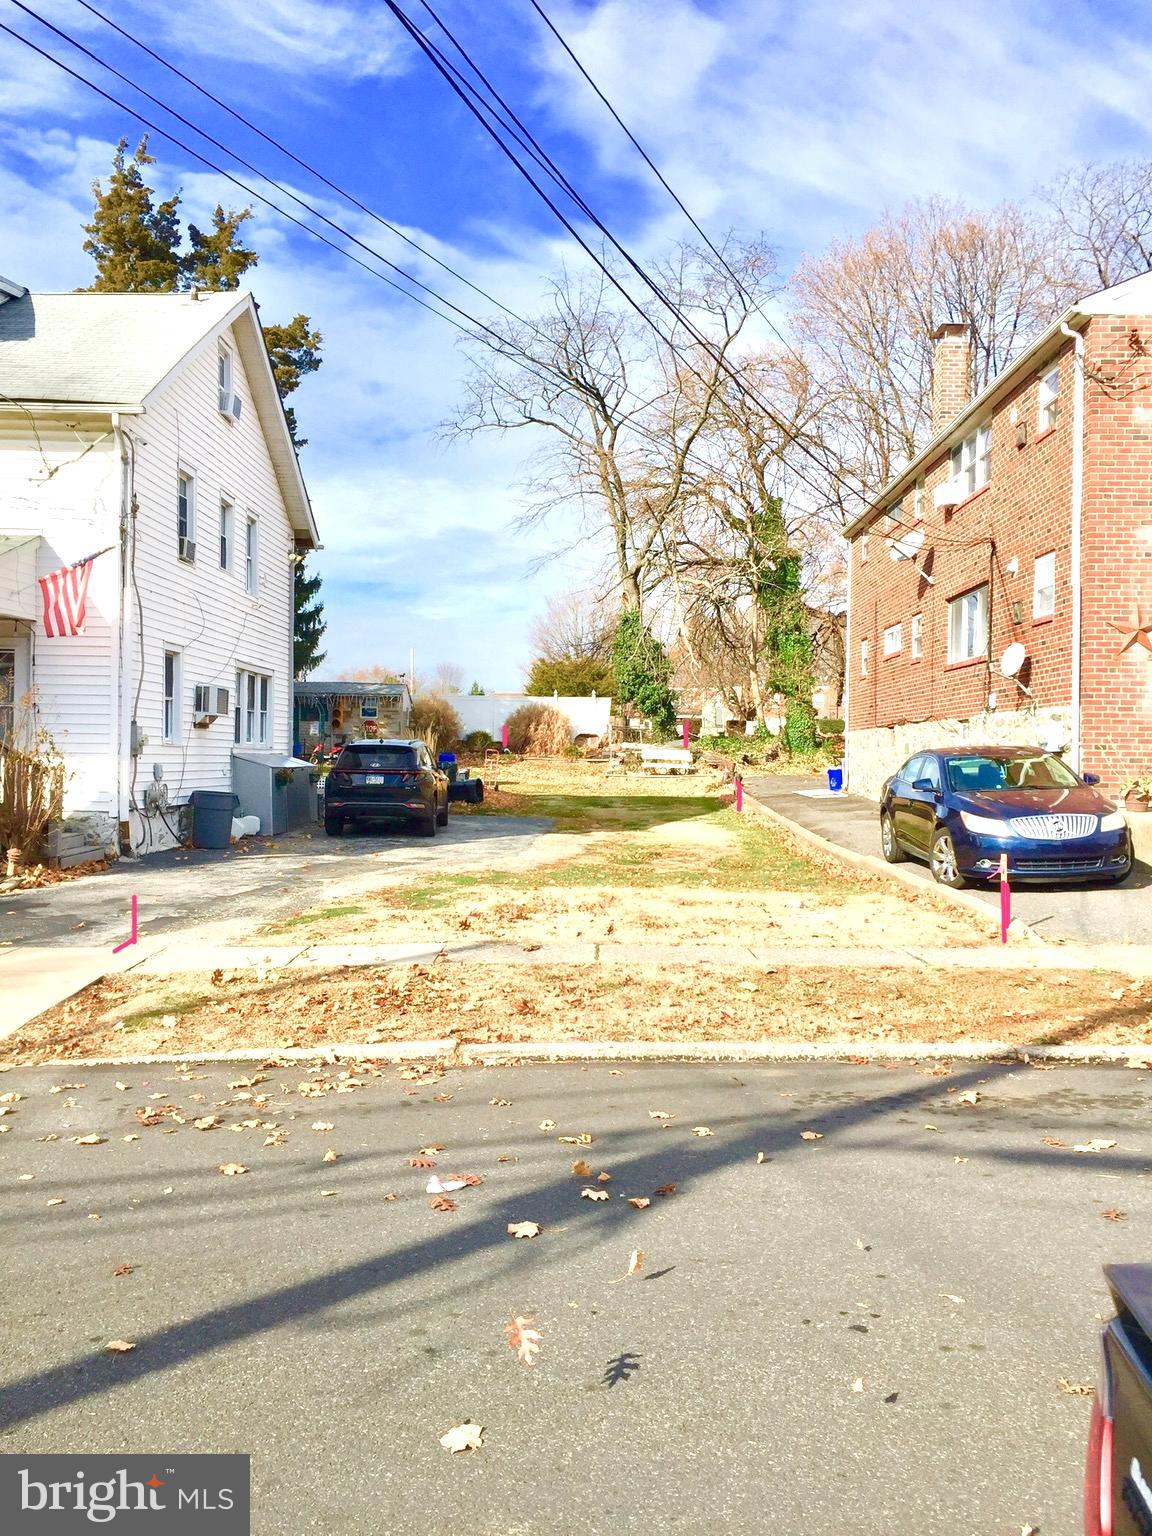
(376, 759)
(1009, 771)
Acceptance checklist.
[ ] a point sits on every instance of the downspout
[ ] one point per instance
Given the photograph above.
(122, 825)
(1077, 531)
(846, 702)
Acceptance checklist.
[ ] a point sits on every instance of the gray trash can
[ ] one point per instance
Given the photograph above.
(212, 812)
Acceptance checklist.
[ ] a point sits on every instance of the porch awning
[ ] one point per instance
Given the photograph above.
(18, 592)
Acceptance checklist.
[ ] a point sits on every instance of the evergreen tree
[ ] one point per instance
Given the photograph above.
(476, 691)
(309, 624)
(787, 642)
(134, 241)
(573, 679)
(642, 670)
(295, 350)
(217, 260)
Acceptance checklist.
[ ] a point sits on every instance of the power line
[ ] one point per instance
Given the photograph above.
(284, 150)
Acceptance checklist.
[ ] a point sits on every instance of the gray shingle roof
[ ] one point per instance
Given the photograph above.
(100, 348)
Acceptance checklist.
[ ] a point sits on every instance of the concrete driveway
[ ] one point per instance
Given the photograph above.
(1083, 914)
(254, 881)
(943, 1256)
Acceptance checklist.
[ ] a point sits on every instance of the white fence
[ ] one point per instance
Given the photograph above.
(489, 711)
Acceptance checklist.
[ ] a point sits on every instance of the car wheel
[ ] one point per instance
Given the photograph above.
(891, 847)
(334, 826)
(942, 862)
(442, 816)
(478, 791)
(428, 823)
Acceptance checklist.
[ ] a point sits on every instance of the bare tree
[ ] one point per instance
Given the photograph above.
(1103, 216)
(373, 674)
(447, 678)
(575, 626)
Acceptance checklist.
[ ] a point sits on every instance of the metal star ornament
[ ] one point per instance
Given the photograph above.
(1135, 631)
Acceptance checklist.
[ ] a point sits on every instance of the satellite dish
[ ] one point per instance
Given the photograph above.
(1013, 659)
(906, 546)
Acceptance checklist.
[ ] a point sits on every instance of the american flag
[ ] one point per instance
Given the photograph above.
(65, 596)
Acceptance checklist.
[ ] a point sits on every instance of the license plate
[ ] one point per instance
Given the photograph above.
(374, 778)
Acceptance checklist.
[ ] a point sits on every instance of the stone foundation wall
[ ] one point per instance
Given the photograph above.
(152, 833)
(871, 755)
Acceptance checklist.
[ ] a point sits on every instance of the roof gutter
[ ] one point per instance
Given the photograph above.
(1075, 556)
(975, 407)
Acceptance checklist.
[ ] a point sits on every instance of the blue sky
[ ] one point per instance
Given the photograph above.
(800, 119)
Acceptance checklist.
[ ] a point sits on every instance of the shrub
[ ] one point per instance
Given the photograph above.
(830, 727)
(435, 721)
(477, 741)
(31, 785)
(538, 731)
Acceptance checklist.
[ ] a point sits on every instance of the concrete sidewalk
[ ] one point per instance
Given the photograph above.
(1080, 914)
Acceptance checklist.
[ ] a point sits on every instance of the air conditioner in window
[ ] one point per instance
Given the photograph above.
(224, 400)
(202, 712)
(187, 549)
(950, 494)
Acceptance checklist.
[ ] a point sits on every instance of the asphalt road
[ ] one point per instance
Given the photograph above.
(255, 881)
(1082, 913)
(940, 1253)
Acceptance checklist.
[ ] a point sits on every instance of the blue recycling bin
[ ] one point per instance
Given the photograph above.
(447, 761)
(835, 780)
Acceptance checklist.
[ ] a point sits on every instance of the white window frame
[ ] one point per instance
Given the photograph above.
(170, 698)
(186, 499)
(918, 501)
(968, 625)
(863, 658)
(972, 460)
(225, 373)
(8, 679)
(1048, 400)
(1044, 585)
(863, 548)
(893, 642)
(252, 716)
(895, 516)
(227, 533)
(251, 555)
(916, 636)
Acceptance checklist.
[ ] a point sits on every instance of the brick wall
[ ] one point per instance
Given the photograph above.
(1117, 689)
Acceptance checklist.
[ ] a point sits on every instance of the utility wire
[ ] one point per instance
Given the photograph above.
(284, 150)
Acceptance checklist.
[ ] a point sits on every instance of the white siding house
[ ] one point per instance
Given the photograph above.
(147, 426)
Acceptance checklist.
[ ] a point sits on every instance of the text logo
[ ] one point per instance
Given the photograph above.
(62, 1495)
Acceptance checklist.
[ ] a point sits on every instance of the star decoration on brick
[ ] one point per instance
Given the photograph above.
(1136, 630)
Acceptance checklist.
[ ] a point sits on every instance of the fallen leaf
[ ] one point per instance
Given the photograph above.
(547, 1125)
(118, 1347)
(583, 1140)
(323, 1125)
(59, 1200)
(931, 1127)
(503, 1103)
(442, 1204)
(959, 1159)
(603, 1178)
(1097, 1144)
(858, 1384)
(330, 1156)
(524, 1229)
(421, 1162)
(132, 1137)
(641, 1202)
(326, 1193)
(701, 1130)
(1054, 1141)
(442, 1098)
(761, 1157)
(660, 1114)
(123, 1087)
(959, 1300)
(1114, 1215)
(969, 1096)
(666, 1189)
(463, 1437)
(523, 1338)
(615, 1072)
(432, 1147)
(635, 1261)
(1074, 1388)
(506, 1157)
(593, 1194)
(88, 1141)
(466, 1180)
(207, 1122)
(811, 1135)
(581, 1169)
(231, 1169)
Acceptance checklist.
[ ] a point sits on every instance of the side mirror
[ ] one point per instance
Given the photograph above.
(926, 786)
(1091, 778)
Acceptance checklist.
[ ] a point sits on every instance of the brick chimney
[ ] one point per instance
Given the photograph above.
(951, 372)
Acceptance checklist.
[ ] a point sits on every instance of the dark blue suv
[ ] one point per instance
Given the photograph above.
(963, 808)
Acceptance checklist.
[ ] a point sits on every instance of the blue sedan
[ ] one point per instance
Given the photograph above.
(962, 809)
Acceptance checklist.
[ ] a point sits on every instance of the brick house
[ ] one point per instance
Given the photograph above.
(1025, 522)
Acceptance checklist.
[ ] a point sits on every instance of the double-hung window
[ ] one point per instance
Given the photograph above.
(893, 640)
(171, 715)
(1044, 586)
(968, 625)
(253, 713)
(972, 461)
(185, 516)
(1048, 400)
(863, 658)
(224, 380)
(225, 536)
(251, 574)
(916, 636)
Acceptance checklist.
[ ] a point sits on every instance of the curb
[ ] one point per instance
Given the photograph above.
(450, 1052)
(964, 900)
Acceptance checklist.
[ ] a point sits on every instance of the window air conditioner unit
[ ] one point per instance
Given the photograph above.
(224, 399)
(187, 550)
(202, 711)
(950, 494)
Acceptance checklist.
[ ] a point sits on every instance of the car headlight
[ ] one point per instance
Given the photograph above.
(1115, 821)
(986, 826)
